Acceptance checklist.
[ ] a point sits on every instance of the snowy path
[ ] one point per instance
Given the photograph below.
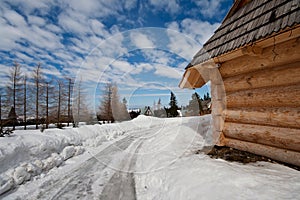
(147, 159)
(115, 164)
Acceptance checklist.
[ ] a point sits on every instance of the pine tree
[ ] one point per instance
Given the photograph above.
(159, 104)
(195, 106)
(172, 110)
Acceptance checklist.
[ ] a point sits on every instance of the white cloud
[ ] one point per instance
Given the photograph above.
(141, 40)
(142, 68)
(36, 20)
(74, 23)
(209, 8)
(166, 71)
(123, 66)
(128, 5)
(14, 18)
(192, 34)
(28, 7)
(201, 31)
(170, 6)
(98, 28)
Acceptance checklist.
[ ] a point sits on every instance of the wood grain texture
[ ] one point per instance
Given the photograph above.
(288, 74)
(280, 117)
(282, 155)
(285, 138)
(280, 54)
(266, 97)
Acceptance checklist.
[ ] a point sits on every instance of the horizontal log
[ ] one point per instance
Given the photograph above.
(281, 117)
(284, 138)
(278, 154)
(283, 53)
(265, 97)
(285, 75)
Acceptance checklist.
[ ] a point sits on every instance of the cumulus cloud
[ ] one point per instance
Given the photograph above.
(210, 8)
(170, 6)
(141, 40)
(196, 33)
(167, 71)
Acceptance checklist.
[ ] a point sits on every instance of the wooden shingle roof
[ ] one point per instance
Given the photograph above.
(256, 20)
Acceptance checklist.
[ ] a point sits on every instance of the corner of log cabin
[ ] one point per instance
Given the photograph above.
(262, 88)
(256, 108)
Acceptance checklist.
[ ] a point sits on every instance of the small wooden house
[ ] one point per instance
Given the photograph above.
(253, 63)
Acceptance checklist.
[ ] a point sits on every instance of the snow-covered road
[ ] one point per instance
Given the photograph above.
(106, 174)
(144, 159)
(78, 182)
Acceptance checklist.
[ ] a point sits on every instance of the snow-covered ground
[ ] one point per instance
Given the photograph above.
(146, 158)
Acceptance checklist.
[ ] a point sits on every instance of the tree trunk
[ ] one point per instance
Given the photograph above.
(25, 104)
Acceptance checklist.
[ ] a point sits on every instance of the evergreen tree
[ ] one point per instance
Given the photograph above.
(172, 110)
(206, 97)
(12, 116)
(159, 104)
(195, 106)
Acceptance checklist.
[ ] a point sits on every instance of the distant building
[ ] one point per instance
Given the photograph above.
(148, 111)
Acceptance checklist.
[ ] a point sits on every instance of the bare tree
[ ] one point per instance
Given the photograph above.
(59, 101)
(14, 89)
(37, 77)
(0, 110)
(105, 109)
(70, 84)
(111, 108)
(25, 102)
(119, 109)
(79, 107)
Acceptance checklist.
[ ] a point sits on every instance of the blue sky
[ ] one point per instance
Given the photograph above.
(143, 46)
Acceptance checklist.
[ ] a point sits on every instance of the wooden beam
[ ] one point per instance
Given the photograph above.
(265, 97)
(282, 155)
(281, 54)
(281, 117)
(284, 138)
(285, 75)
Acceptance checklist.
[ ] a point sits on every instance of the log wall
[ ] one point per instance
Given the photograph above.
(263, 101)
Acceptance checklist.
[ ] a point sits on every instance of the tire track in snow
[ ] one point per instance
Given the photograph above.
(122, 184)
(77, 183)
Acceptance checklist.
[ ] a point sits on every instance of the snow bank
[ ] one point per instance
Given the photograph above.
(200, 177)
(167, 168)
(28, 153)
(178, 137)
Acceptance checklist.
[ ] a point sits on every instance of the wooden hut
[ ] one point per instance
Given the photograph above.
(253, 63)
